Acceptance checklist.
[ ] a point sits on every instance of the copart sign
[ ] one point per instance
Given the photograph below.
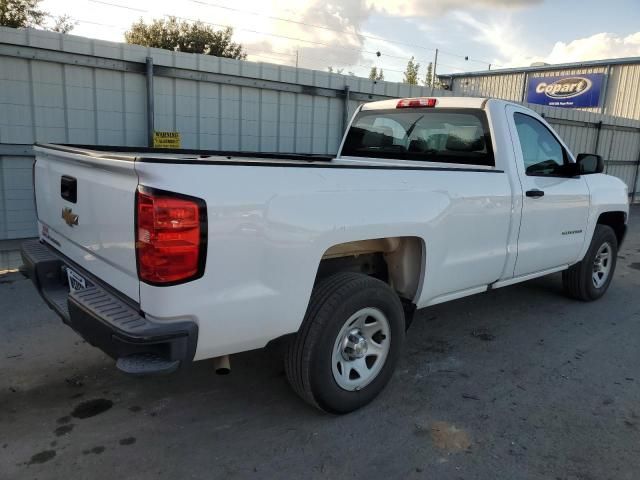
(572, 91)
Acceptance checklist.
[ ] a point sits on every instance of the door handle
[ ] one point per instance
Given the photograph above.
(534, 193)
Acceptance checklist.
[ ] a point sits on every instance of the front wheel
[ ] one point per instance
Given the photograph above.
(590, 279)
(348, 344)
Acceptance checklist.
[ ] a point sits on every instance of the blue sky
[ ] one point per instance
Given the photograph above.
(347, 33)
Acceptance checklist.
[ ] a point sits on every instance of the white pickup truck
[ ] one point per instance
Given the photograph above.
(161, 257)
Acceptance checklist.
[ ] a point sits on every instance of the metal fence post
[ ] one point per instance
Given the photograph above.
(345, 120)
(608, 158)
(635, 180)
(605, 89)
(597, 142)
(523, 93)
(150, 106)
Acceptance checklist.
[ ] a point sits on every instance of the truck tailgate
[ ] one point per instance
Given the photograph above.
(86, 211)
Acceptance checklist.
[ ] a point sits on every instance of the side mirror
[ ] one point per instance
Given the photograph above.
(589, 163)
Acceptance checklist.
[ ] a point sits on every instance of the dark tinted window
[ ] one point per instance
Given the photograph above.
(541, 151)
(427, 134)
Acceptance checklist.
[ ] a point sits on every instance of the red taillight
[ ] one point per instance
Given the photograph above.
(170, 237)
(416, 102)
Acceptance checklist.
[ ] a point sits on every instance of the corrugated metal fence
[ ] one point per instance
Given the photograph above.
(66, 89)
(620, 92)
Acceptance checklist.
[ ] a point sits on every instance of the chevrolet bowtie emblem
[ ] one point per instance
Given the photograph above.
(69, 217)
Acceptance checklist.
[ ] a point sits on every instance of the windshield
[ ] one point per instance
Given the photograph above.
(433, 135)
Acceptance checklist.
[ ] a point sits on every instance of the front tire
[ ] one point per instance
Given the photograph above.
(349, 343)
(590, 279)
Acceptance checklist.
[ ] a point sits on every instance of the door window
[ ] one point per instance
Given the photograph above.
(542, 153)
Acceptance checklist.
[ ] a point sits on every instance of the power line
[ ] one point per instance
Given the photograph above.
(119, 6)
(268, 57)
(90, 22)
(377, 53)
(289, 20)
(297, 39)
(467, 58)
(372, 37)
(286, 37)
(266, 54)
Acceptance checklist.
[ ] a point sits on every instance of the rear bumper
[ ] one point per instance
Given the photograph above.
(105, 319)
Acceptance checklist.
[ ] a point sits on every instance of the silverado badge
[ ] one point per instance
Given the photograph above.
(69, 217)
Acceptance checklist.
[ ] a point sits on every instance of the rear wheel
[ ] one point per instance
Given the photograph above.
(348, 344)
(590, 279)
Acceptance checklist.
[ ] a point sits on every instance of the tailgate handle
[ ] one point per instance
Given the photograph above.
(69, 188)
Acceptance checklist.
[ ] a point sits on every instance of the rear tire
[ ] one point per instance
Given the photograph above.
(349, 343)
(590, 279)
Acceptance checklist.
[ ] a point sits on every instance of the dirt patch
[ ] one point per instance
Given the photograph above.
(128, 441)
(75, 381)
(94, 450)
(438, 346)
(483, 334)
(63, 420)
(63, 429)
(448, 437)
(42, 457)
(91, 408)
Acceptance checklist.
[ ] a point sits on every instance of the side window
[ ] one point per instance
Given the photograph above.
(542, 153)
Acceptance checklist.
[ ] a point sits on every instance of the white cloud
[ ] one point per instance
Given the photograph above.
(336, 43)
(428, 8)
(503, 36)
(596, 47)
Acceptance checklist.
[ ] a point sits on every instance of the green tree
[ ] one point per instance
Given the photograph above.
(428, 79)
(63, 24)
(28, 14)
(21, 13)
(183, 36)
(411, 73)
(376, 74)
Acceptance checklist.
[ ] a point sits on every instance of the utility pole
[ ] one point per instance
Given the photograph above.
(435, 66)
(489, 66)
(297, 58)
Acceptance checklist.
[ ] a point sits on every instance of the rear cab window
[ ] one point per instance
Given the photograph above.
(443, 135)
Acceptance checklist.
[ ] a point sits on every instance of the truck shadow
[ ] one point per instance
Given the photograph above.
(257, 381)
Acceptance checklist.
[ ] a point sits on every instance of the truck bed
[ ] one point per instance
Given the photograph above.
(182, 155)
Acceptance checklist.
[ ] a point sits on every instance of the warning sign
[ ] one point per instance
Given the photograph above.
(166, 139)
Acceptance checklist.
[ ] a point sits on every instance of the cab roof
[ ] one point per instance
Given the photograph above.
(441, 102)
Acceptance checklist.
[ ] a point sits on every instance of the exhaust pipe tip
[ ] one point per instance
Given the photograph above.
(221, 365)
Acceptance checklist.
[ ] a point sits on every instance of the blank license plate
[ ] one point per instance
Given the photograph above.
(76, 282)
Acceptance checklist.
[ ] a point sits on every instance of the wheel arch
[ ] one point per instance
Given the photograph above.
(617, 220)
(399, 261)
